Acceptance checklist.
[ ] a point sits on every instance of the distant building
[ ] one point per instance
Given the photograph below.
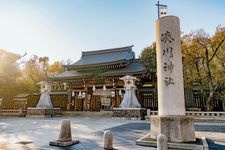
(92, 83)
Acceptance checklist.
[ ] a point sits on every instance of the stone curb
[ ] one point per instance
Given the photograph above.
(144, 141)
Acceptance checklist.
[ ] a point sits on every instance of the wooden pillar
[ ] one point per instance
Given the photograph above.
(68, 98)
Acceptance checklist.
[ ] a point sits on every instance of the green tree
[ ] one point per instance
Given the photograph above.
(148, 57)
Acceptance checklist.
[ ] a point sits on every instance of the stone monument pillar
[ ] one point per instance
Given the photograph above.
(171, 120)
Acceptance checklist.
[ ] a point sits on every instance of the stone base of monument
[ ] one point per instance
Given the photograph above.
(175, 128)
(43, 112)
(138, 113)
(179, 131)
(63, 144)
(199, 144)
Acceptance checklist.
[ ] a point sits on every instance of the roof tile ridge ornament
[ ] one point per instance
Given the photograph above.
(110, 50)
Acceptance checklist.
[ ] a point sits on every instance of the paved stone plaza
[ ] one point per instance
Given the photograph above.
(35, 133)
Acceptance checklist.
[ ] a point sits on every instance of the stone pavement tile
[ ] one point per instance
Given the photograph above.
(87, 130)
(19, 147)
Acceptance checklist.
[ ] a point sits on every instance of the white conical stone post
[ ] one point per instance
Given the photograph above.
(162, 142)
(108, 140)
(65, 136)
(65, 131)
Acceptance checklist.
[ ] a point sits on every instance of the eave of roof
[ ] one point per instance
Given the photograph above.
(21, 97)
(135, 67)
(67, 75)
(121, 62)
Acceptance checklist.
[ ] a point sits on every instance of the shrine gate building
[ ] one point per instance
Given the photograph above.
(92, 83)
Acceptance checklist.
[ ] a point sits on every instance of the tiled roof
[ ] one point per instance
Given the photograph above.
(105, 57)
(135, 67)
(67, 74)
(21, 97)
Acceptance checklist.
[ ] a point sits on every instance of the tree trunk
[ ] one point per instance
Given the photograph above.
(209, 102)
(207, 68)
(223, 102)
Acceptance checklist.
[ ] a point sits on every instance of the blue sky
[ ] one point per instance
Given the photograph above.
(61, 29)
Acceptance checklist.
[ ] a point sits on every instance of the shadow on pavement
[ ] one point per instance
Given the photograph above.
(210, 128)
(214, 146)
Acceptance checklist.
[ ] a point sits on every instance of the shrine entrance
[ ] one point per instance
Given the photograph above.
(104, 98)
(79, 104)
(93, 82)
(77, 100)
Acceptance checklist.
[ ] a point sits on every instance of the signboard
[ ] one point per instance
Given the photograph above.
(105, 101)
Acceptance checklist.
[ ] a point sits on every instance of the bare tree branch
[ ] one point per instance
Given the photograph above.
(214, 52)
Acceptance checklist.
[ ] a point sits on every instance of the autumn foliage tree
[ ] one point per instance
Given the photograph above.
(9, 76)
(55, 68)
(33, 73)
(17, 78)
(203, 61)
(44, 64)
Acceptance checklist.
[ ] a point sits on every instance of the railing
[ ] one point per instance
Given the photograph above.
(205, 113)
(12, 112)
(198, 113)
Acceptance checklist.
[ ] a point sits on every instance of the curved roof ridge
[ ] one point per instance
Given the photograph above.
(104, 57)
(110, 50)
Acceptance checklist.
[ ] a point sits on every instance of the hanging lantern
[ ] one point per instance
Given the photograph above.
(84, 83)
(113, 93)
(104, 88)
(120, 92)
(64, 86)
(83, 94)
(93, 88)
(79, 94)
